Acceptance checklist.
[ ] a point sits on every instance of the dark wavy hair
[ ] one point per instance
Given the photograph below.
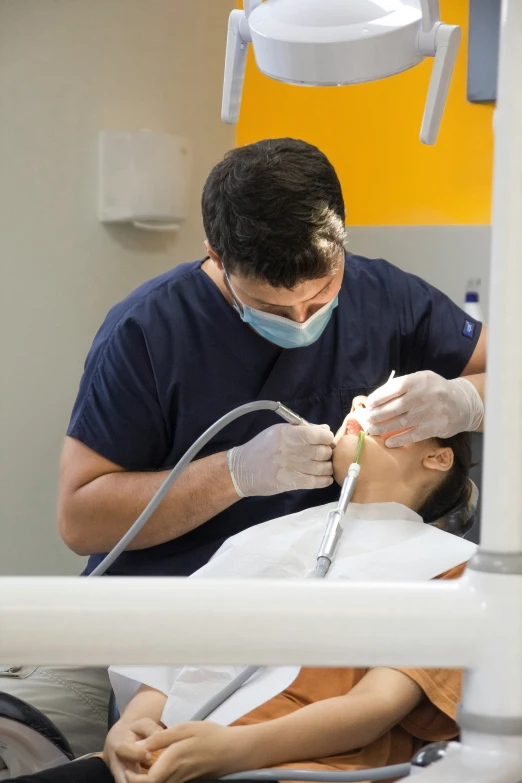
(454, 489)
(274, 211)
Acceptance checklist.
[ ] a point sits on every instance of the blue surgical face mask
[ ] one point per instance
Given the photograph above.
(283, 331)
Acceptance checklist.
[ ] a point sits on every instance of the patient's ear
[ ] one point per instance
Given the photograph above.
(439, 458)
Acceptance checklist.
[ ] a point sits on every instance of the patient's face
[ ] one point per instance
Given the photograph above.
(413, 466)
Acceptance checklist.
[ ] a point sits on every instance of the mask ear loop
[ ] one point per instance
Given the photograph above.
(228, 285)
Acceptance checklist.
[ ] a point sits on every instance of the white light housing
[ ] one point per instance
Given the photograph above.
(323, 43)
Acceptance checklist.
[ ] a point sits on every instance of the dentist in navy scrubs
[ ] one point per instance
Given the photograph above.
(276, 310)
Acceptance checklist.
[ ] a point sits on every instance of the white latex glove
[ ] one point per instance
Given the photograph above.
(281, 458)
(427, 405)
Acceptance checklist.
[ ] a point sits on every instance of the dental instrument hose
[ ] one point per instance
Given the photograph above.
(392, 772)
(260, 405)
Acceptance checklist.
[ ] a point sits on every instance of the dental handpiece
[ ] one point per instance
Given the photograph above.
(334, 529)
(289, 415)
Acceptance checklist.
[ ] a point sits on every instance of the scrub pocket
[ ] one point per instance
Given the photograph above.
(16, 672)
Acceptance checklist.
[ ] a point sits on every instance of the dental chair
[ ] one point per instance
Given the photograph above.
(30, 742)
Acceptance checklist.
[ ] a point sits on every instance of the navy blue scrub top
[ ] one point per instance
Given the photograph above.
(174, 356)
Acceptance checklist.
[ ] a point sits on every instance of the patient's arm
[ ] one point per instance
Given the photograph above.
(334, 726)
(146, 703)
(197, 750)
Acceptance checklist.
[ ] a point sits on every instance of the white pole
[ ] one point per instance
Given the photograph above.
(493, 687)
(502, 493)
(491, 717)
(102, 621)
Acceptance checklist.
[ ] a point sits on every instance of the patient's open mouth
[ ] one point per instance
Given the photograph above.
(353, 427)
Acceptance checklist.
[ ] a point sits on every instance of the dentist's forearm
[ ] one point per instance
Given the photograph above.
(99, 503)
(475, 371)
(479, 382)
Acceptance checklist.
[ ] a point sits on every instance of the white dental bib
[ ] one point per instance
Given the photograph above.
(380, 542)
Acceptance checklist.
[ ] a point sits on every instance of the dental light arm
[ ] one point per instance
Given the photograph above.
(442, 42)
(238, 38)
(235, 64)
(344, 43)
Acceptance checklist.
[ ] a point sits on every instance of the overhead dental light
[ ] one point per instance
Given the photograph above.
(322, 43)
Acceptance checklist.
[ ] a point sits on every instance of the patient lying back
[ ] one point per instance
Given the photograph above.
(429, 477)
(326, 719)
(384, 535)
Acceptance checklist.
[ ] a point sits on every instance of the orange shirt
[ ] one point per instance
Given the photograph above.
(433, 720)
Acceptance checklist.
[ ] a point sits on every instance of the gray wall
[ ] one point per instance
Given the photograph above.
(445, 256)
(68, 69)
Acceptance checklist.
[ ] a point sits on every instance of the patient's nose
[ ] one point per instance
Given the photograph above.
(359, 402)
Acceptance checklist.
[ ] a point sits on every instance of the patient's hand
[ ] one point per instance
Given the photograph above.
(124, 749)
(190, 751)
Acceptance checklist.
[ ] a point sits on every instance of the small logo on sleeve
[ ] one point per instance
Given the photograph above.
(469, 329)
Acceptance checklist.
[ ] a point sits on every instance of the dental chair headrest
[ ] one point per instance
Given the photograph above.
(461, 518)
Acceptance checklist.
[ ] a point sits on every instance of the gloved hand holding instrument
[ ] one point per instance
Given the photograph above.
(281, 458)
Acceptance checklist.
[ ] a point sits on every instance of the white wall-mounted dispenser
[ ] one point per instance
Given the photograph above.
(143, 179)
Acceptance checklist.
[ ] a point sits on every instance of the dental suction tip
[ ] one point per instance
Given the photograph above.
(360, 444)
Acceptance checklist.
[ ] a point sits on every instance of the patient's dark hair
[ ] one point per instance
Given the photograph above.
(454, 489)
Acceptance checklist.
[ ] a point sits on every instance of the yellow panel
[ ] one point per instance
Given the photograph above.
(370, 132)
